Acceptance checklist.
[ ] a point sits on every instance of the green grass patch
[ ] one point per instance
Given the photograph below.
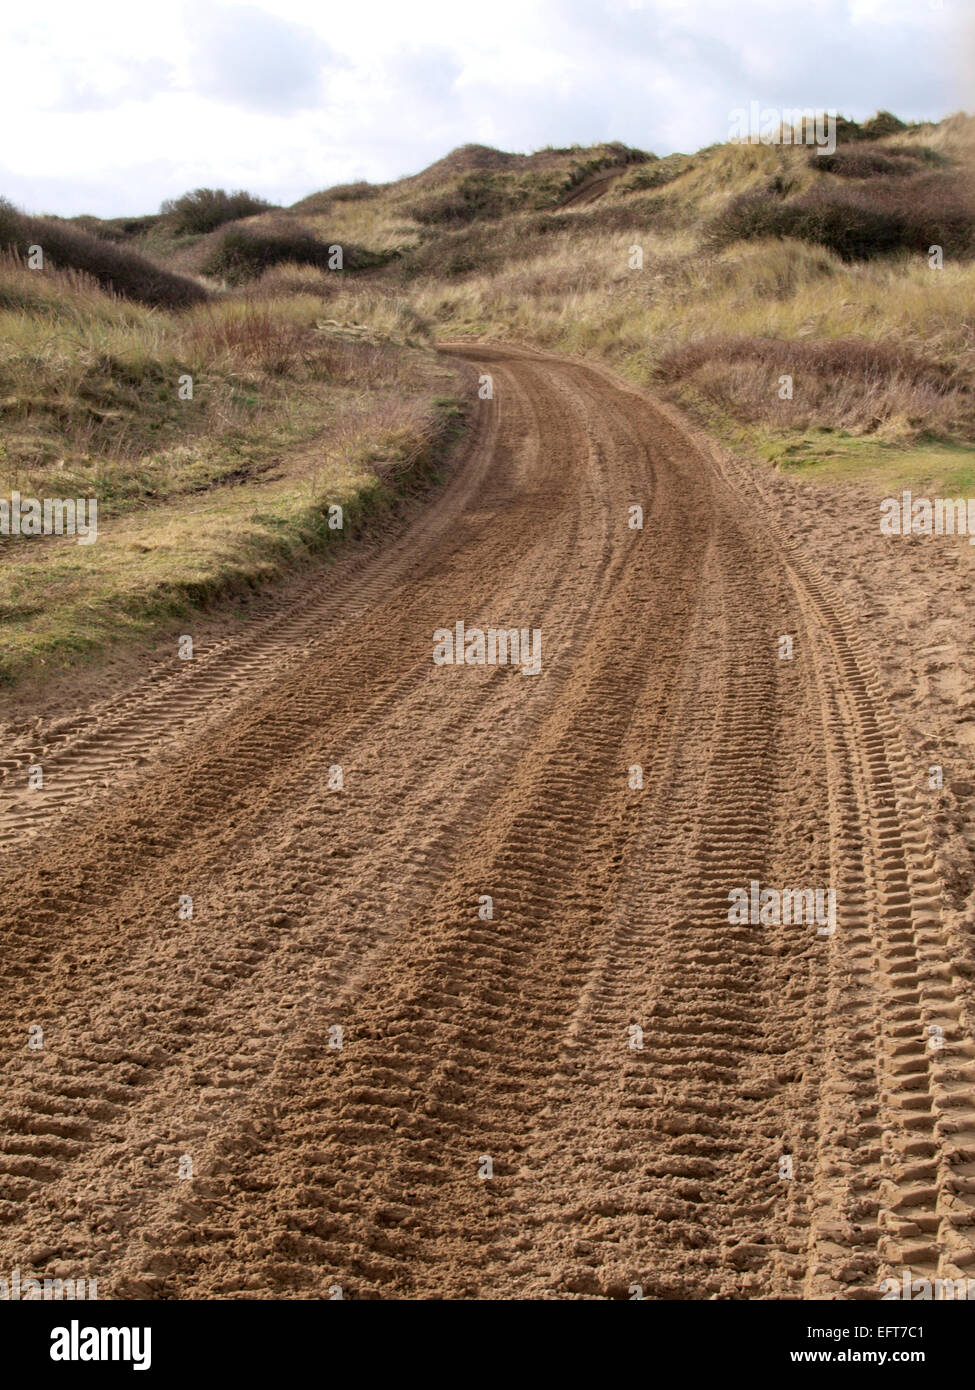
(944, 468)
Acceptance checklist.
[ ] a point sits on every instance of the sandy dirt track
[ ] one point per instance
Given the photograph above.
(317, 1167)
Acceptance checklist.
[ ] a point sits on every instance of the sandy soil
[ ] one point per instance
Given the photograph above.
(362, 1167)
(595, 186)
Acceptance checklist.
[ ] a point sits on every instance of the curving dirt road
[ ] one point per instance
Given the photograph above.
(638, 1070)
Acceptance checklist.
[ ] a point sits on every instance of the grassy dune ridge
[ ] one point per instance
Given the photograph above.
(878, 343)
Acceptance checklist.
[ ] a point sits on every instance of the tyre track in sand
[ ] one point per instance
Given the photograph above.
(895, 1175)
(464, 1039)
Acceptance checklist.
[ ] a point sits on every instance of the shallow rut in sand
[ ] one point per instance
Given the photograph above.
(636, 1074)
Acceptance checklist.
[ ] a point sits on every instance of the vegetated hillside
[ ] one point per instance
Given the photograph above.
(717, 276)
(758, 262)
(716, 273)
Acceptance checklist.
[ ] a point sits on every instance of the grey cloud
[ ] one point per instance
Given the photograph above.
(257, 60)
(140, 81)
(781, 58)
(426, 72)
(122, 193)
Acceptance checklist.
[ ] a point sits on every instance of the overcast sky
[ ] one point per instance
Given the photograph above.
(110, 106)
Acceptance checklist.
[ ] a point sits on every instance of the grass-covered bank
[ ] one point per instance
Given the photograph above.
(202, 495)
(60, 601)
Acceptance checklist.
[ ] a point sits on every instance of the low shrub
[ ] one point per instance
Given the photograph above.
(478, 196)
(908, 215)
(244, 253)
(120, 270)
(205, 209)
(852, 162)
